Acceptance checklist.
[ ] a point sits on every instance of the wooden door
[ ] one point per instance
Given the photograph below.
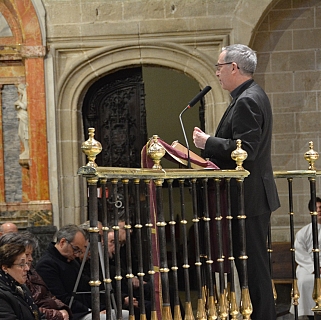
(115, 107)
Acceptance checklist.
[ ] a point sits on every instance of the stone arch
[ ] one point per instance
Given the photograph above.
(247, 16)
(81, 72)
(10, 15)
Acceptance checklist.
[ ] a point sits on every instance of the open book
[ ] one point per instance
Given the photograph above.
(178, 153)
(200, 162)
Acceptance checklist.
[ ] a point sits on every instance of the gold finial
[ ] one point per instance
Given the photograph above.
(91, 148)
(239, 155)
(223, 313)
(295, 294)
(311, 156)
(233, 307)
(246, 304)
(155, 151)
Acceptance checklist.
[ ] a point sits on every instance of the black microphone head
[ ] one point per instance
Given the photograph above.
(199, 96)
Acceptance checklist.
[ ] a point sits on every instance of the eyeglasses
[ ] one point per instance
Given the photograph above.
(219, 65)
(76, 250)
(21, 265)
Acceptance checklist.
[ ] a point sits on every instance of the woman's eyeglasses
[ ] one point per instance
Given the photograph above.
(21, 265)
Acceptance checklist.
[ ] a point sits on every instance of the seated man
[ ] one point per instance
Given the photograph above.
(113, 273)
(305, 270)
(59, 269)
(84, 286)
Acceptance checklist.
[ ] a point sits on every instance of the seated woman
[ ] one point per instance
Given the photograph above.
(15, 299)
(47, 303)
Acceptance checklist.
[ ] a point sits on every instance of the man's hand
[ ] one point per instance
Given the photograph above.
(135, 281)
(200, 138)
(126, 302)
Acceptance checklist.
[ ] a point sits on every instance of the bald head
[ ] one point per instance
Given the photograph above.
(8, 227)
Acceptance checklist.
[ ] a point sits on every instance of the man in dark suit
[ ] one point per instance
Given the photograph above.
(249, 118)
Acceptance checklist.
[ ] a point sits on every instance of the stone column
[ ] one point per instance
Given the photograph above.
(2, 190)
(38, 153)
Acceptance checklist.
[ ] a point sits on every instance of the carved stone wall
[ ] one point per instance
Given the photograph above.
(87, 40)
(24, 185)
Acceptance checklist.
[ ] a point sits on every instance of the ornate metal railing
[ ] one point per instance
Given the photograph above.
(151, 200)
(142, 191)
(298, 175)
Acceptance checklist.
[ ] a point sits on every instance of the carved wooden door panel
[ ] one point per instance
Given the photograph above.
(115, 107)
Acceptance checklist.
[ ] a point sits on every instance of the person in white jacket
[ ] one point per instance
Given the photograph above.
(305, 266)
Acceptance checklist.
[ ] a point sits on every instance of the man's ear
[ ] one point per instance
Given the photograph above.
(5, 269)
(62, 241)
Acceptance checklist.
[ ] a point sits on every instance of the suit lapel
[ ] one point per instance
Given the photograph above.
(225, 115)
(238, 92)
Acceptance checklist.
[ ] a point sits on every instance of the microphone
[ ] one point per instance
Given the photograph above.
(198, 97)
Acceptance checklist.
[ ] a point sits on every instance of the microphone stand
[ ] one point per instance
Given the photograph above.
(186, 141)
(198, 97)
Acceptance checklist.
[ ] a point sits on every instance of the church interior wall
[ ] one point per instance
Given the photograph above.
(88, 39)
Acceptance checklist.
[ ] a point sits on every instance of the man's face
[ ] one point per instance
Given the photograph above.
(111, 244)
(72, 249)
(82, 254)
(28, 252)
(122, 232)
(318, 205)
(223, 72)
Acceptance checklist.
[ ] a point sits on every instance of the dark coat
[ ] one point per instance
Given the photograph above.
(60, 276)
(46, 302)
(249, 118)
(13, 306)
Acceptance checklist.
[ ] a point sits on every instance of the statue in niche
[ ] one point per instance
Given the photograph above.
(22, 115)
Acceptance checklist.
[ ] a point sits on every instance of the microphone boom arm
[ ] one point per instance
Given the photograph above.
(186, 141)
(198, 97)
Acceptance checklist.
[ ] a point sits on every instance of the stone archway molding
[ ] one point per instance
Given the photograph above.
(87, 67)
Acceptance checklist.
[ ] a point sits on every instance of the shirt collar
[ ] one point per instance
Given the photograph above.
(238, 90)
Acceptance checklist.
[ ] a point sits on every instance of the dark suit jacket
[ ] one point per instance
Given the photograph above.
(249, 118)
(60, 276)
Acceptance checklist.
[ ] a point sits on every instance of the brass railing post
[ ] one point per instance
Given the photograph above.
(107, 279)
(166, 310)
(94, 270)
(150, 233)
(211, 303)
(246, 305)
(201, 314)
(188, 303)
(295, 291)
(172, 226)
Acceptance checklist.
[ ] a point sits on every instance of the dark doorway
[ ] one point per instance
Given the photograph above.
(115, 107)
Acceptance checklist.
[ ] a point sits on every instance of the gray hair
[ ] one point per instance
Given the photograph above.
(24, 238)
(243, 56)
(68, 232)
